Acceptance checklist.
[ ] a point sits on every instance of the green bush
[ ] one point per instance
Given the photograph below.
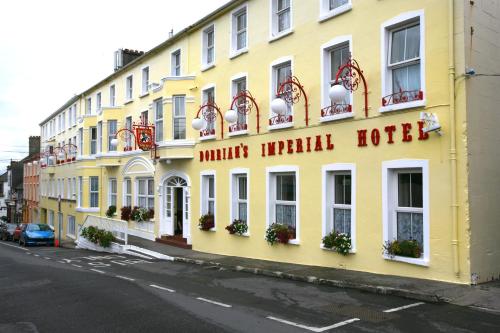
(279, 233)
(405, 248)
(339, 242)
(111, 211)
(237, 227)
(206, 222)
(98, 236)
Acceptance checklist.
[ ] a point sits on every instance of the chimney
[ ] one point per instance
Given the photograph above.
(125, 56)
(171, 33)
(34, 145)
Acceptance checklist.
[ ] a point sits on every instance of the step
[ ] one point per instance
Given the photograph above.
(174, 241)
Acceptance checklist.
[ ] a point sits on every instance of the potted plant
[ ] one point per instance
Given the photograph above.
(339, 242)
(206, 222)
(111, 211)
(139, 214)
(279, 233)
(237, 227)
(126, 211)
(406, 248)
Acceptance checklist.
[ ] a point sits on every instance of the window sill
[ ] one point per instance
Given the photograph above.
(280, 126)
(346, 115)
(352, 251)
(128, 101)
(209, 230)
(402, 106)
(207, 138)
(88, 209)
(282, 34)
(144, 94)
(237, 53)
(243, 132)
(206, 67)
(294, 241)
(413, 261)
(335, 12)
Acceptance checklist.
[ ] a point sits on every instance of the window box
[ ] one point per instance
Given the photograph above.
(141, 214)
(338, 242)
(279, 233)
(238, 227)
(206, 222)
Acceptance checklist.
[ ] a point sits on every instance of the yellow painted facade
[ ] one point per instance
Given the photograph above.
(363, 24)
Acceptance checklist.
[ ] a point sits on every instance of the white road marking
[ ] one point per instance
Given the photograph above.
(314, 329)
(62, 262)
(124, 278)
(214, 302)
(47, 258)
(76, 265)
(404, 307)
(14, 246)
(98, 271)
(162, 288)
(36, 255)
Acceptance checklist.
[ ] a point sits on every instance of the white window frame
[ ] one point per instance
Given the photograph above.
(204, 189)
(204, 47)
(73, 193)
(144, 80)
(91, 192)
(325, 73)
(71, 226)
(99, 137)
(234, 31)
(273, 77)
(386, 72)
(110, 135)
(112, 95)
(233, 88)
(273, 21)
(80, 192)
(326, 13)
(173, 63)
(129, 88)
(126, 194)
(158, 121)
(112, 194)
(88, 110)
(98, 98)
(328, 172)
(146, 195)
(389, 169)
(234, 174)
(203, 91)
(174, 116)
(270, 195)
(51, 217)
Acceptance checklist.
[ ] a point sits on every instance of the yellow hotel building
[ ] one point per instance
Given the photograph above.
(292, 155)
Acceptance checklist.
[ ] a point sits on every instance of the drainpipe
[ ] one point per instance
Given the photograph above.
(453, 139)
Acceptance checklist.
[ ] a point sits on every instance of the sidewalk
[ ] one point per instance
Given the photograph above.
(485, 296)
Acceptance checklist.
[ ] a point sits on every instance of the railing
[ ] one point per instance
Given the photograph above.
(207, 132)
(403, 97)
(279, 119)
(336, 109)
(118, 228)
(238, 127)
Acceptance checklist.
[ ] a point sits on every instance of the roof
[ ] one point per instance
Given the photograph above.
(3, 177)
(200, 23)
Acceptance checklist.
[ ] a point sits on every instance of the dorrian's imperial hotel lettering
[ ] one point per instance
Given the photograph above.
(353, 122)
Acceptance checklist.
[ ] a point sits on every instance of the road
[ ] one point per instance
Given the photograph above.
(63, 290)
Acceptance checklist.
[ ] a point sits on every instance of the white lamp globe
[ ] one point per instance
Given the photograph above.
(197, 124)
(231, 116)
(41, 161)
(60, 155)
(114, 142)
(337, 93)
(278, 106)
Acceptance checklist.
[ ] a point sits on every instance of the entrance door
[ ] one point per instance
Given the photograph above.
(174, 207)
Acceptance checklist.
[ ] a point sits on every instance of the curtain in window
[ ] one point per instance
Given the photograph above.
(342, 220)
(283, 15)
(410, 226)
(337, 3)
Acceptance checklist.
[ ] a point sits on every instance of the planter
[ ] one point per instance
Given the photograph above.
(279, 233)
(206, 222)
(237, 227)
(338, 242)
(405, 248)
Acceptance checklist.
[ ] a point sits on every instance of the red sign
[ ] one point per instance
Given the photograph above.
(144, 136)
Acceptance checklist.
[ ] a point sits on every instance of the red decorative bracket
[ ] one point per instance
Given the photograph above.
(290, 91)
(244, 102)
(403, 97)
(350, 78)
(210, 115)
(126, 134)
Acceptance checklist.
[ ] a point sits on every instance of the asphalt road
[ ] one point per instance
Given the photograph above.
(61, 290)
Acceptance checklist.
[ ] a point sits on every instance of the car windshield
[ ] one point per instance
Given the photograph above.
(38, 227)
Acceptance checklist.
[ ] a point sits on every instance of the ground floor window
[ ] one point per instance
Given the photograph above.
(94, 191)
(51, 218)
(283, 203)
(208, 194)
(127, 192)
(71, 226)
(239, 195)
(145, 193)
(406, 207)
(112, 192)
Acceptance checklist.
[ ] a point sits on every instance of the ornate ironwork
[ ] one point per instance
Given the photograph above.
(144, 137)
(126, 135)
(350, 75)
(208, 111)
(238, 127)
(291, 90)
(244, 102)
(280, 119)
(403, 97)
(336, 109)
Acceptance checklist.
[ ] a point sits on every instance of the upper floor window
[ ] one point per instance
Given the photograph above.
(145, 80)
(98, 101)
(99, 136)
(88, 110)
(158, 107)
(112, 95)
(179, 115)
(128, 136)
(112, 128)
(144, 117)
(176, 63)
(239, 85)
(281, 18)
(208, 46)
(128, 87)
(239, 34)
(403, 74)
(93, 140)
(281, 72)
(209, 97)
(331, 8)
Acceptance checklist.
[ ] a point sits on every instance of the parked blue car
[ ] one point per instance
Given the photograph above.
(36, 234)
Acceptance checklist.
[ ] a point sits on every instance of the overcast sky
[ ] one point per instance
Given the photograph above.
(53, 49)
